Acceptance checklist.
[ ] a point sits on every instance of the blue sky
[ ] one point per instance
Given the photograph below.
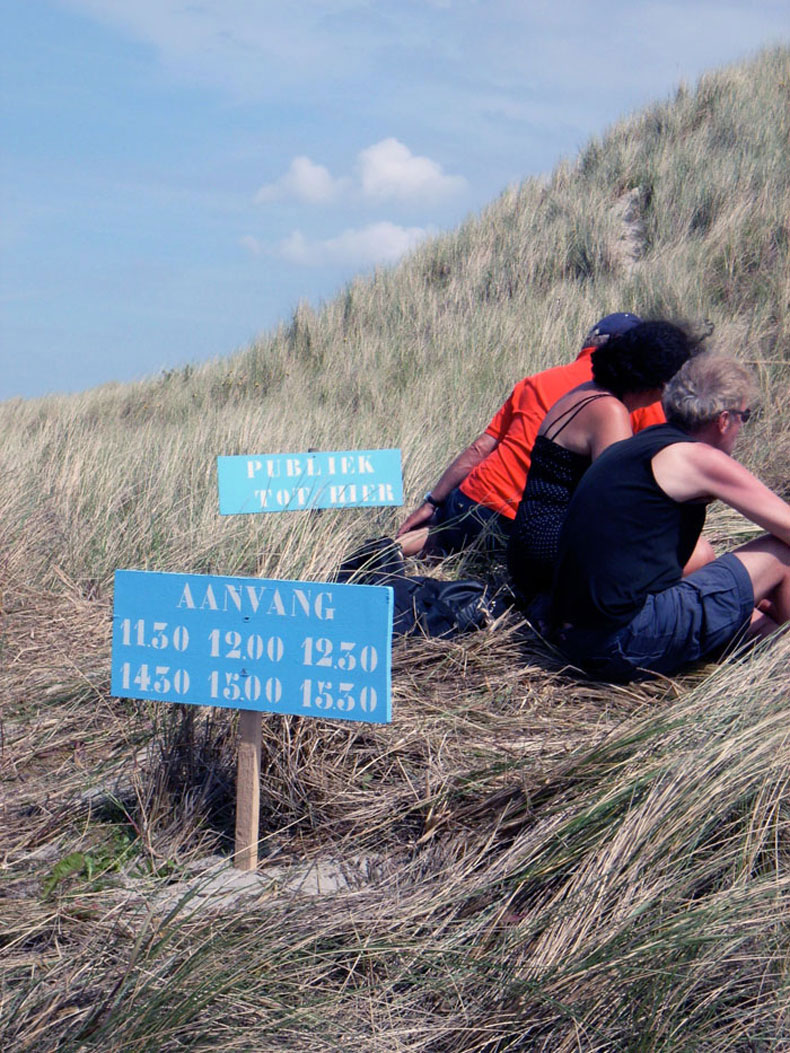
(177, 174)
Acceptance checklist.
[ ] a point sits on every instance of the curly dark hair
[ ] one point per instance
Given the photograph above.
(645, 357)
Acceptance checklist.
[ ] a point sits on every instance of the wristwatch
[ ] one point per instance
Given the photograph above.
(431, 500)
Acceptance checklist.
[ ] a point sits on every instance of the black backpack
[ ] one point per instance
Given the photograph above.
(425, 606)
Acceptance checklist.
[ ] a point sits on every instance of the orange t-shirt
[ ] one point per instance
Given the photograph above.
(499, 480)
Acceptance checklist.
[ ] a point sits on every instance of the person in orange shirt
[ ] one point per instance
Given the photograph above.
(479, 491)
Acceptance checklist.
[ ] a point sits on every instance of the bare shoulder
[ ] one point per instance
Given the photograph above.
(711, 462)
(608, 407)
(699, 454)
(688, 471)
(586, 399)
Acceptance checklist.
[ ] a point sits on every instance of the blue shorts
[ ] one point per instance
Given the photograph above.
(697, 618)
(460, 521)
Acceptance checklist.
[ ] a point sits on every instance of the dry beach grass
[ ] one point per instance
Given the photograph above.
(534, 861)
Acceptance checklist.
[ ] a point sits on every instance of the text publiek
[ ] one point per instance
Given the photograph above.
(292, 481)
(297, 468)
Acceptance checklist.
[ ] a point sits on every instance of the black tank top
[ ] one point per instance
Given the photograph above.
(623, 537)
(553, 477)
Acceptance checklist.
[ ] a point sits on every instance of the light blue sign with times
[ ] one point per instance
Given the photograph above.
(289, 482)
(315, 649)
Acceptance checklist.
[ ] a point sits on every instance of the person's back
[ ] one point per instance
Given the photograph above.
(622, 537)
(498, 481)
(503, 473)
(554, 475)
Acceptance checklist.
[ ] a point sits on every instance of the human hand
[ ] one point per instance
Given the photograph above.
(419, 517)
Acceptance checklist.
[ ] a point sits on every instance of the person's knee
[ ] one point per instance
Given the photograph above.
(764, 546)
(413, 542)
(761, 624)
(767, 562)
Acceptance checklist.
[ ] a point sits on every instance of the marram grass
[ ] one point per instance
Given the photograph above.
(535, 861)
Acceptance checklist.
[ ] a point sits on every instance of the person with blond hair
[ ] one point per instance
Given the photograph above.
(621, 608)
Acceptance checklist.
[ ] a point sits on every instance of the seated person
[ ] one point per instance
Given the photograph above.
(620, 604)
(629, 373)
(480, 489)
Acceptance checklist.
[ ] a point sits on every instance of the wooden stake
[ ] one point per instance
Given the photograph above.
(248, 790)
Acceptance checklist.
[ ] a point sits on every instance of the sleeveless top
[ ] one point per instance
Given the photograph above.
(553, 477)
(623, 538)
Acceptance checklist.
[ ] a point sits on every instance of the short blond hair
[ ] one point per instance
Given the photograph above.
(705, 386)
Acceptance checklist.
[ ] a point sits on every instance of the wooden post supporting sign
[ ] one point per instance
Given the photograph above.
(248, 790)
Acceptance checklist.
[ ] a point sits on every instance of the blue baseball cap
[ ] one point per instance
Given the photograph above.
(613, 325)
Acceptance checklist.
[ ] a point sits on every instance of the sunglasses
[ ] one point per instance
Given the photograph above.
(744, 414)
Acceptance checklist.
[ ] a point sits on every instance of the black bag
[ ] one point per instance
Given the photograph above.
(422, 605)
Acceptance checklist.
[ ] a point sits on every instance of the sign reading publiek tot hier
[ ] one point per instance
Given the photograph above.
(288, 482)
(309, 648)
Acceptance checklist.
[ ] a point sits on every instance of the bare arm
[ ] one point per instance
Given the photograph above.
(699, 472)
(454, 474)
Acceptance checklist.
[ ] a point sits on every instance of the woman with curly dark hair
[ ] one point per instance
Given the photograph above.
(629, 372)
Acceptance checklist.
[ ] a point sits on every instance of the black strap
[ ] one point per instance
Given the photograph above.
(571, 413)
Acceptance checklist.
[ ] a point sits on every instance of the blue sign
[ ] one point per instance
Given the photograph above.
(288, 482)
(315, 649)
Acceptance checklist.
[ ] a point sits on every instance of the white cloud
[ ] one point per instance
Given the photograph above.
(382, 242)
(386, 171)
(390, 171)
(304, 181)
(251, 244)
